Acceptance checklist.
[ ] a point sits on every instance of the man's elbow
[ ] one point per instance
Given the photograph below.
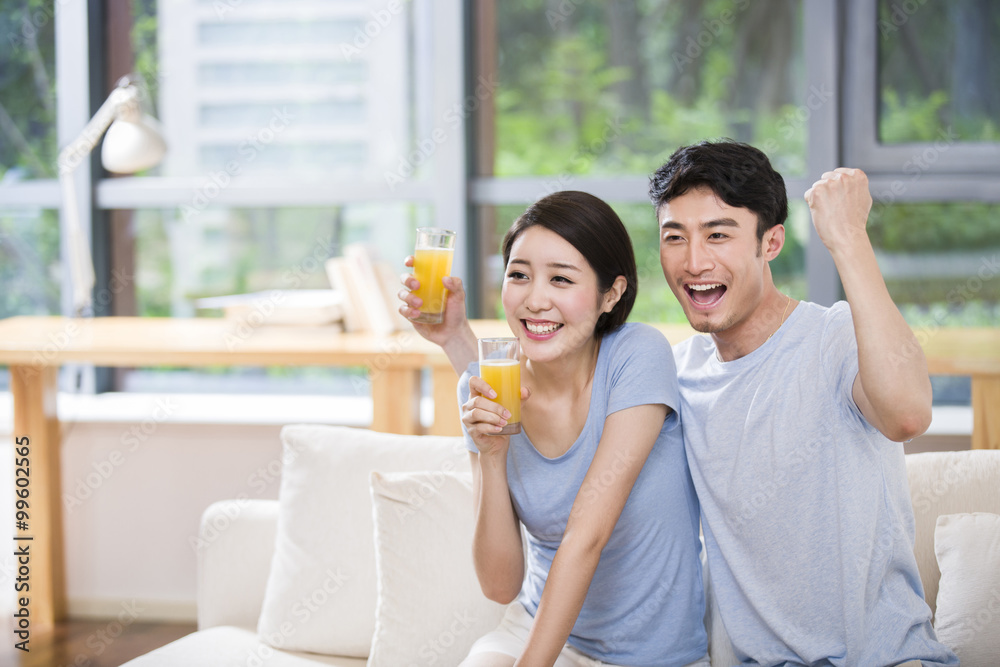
(908, 425)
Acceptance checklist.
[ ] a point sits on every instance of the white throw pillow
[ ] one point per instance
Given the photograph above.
(430, 606)
(968, 600)
(320, 594)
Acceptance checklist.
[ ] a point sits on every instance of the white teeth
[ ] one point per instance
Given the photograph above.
(541, 328)
(704, 288)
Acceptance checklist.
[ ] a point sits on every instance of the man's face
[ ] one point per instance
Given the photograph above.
(712, 260)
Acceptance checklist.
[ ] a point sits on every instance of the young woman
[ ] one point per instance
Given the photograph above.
(610, 571)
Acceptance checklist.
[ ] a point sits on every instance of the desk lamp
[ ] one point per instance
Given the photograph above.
(133, 142)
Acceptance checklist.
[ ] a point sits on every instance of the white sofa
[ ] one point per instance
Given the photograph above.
(409, 566)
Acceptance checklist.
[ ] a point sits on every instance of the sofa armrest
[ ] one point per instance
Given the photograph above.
(235, 546)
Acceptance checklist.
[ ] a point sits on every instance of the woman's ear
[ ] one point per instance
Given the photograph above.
(614, 294)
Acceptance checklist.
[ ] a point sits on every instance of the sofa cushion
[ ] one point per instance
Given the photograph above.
(968, 599)
(226, 646)
(948, 483)
(235, 547)
(430, 607)
(321, 589)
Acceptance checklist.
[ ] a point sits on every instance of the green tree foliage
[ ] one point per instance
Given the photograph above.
(29, 239)
(27, 89)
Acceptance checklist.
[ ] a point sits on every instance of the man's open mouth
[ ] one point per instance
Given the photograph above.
(705, 295)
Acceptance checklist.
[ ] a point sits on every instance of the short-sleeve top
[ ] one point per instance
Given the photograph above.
(645, 604)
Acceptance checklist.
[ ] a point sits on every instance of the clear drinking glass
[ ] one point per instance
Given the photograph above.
(434, 252)
(500, 366)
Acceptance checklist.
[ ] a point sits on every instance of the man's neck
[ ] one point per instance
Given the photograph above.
(743, 338)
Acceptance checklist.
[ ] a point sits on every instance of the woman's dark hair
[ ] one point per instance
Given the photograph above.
(737, 173)
(594, 229)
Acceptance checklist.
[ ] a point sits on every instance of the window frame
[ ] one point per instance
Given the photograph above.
(959, 171)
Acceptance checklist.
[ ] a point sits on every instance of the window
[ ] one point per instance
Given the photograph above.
(929, 104)
(938, 71)
(595, 96)
(296, 127)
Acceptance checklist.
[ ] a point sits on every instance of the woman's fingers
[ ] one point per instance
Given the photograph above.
(481, 387)
(479, 414)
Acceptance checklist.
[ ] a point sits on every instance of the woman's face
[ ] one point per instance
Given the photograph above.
(550, 295)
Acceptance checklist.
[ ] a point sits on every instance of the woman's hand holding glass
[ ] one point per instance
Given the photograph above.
(484, 418)
(455, 318)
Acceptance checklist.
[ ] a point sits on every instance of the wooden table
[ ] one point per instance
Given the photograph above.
(35, 348)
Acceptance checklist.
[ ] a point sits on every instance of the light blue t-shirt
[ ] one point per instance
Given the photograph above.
(645, 604)
(805, 506)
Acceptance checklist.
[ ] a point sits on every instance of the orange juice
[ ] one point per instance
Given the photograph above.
(430, 265)
(504, 375)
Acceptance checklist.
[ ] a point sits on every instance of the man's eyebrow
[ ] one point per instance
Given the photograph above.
(721, 222)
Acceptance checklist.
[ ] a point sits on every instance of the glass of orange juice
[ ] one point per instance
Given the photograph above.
(435, 250)
(500, 366)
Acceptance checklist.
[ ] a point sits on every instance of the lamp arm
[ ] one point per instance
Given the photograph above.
(81, 264)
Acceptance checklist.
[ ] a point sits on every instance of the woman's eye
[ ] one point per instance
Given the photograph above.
(516, 275)
(562, 279)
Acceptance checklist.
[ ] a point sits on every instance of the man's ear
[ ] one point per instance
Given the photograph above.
(773, 242)
(613, 295)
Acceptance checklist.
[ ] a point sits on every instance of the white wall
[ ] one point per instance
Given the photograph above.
(134, 490)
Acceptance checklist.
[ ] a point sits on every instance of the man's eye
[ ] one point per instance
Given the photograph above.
(717, 236)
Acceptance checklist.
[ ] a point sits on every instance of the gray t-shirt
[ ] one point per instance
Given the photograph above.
(805, 506)
(645, 604)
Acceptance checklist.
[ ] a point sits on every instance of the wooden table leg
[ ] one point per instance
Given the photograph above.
(36, 424)
(985, 412)
(446, 415)
(396, 401)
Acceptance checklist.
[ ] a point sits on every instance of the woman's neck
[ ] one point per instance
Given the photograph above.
(568, 374)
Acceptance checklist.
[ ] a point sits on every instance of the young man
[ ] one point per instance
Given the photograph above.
(792, 417)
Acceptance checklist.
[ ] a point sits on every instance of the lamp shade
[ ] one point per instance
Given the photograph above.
(132, 143)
